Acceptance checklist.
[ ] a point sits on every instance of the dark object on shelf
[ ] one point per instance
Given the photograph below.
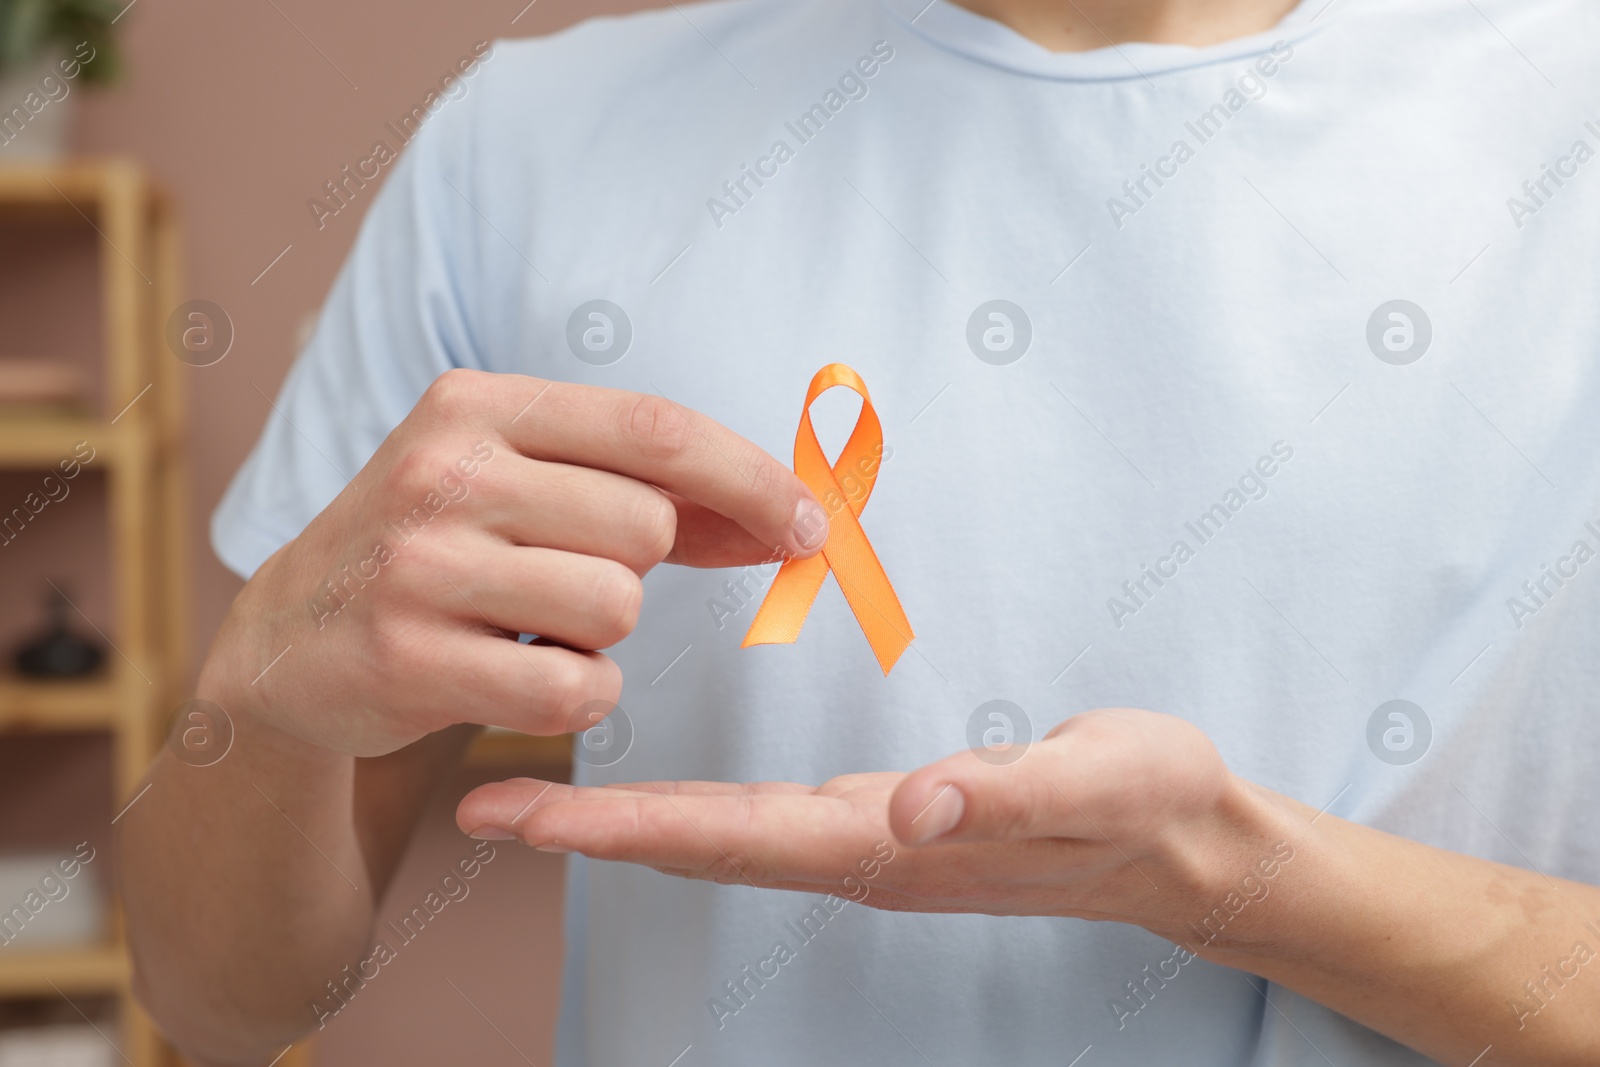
(58, 652)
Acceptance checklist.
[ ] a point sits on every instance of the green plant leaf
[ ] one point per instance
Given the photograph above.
(33, 29)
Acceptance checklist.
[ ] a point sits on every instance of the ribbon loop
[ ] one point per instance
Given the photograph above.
(843, 488)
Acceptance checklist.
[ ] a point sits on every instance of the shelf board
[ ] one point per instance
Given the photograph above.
(505, 748)
(61, 188)
(90, 969)
(39, 441)
(26, 704)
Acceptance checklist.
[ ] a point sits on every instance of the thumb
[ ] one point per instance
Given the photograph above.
(1120, 772)
(705, 538)
(970, 797)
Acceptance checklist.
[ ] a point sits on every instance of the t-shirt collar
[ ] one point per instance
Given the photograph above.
(959, 30)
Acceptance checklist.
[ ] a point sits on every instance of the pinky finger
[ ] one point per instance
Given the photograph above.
(534, 688)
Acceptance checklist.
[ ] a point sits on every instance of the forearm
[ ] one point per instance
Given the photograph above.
(1433, 948)
(276, 853)
(235, 920)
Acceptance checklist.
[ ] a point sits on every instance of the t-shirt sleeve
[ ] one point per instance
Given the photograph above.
(396, 318)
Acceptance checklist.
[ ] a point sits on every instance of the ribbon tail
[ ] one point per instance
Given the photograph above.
(877, 610)
(787, 603)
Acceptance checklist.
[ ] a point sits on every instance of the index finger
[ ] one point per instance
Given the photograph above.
(656, 440)
(759, 836)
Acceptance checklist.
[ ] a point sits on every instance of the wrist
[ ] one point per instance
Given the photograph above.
(226, 681)
(1234, 861)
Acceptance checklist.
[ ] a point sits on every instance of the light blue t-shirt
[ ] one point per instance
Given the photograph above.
(1254, 383)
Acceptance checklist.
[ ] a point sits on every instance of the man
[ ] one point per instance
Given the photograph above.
(1234, 362)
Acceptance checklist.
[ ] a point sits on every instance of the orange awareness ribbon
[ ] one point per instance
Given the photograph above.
(847, 552)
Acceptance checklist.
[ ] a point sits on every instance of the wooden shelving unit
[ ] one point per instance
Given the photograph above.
(142, 453)
(139, 443)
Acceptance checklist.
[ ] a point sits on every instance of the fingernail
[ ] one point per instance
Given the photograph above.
(810, 525)
(492, 833)
(552, 846)
(940, 816)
